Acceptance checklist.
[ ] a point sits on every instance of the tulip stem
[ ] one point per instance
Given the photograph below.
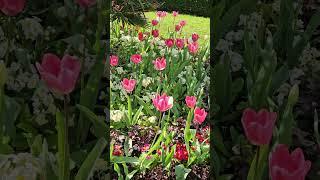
(257, 163)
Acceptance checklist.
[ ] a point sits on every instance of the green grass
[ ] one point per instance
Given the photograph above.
(199, 25)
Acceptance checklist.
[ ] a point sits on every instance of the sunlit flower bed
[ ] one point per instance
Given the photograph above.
(159, 101)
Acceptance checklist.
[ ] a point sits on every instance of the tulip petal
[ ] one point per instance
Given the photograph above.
(50, 64)
(71, 63)
(51, 81)
(67, 81)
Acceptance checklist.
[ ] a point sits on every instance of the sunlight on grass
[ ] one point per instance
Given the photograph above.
(201, 25)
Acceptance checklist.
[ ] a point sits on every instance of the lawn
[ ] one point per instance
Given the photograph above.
(201, 25)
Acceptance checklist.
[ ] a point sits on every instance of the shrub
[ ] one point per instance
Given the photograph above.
(194, 7)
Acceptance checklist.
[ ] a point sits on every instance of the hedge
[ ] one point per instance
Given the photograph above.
(193, 7)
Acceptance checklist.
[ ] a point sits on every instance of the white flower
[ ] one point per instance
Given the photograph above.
(152, 119)
(119, 70)
(116, 115)
(31, 28)
(146, 81)
(236, 61)
(162, 51)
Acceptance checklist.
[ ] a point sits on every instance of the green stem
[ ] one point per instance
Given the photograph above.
(63, 145)
(129, 110)
(257, 163)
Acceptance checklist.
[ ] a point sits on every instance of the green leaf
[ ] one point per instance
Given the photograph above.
(100, 127)
(222, 84)
(230, 18)
(36, 146)
(316, 127)
(90, 93)
(123, 159)
(284, 36)
(117, 169)
(48, 168)
(3, 74)
(145, 106)
(169, 157)
(137, 115)
(215, 158)
(279, 78)
(63, 147)
(181, 172)
(287, 119)
(296, 51)
(86, 168)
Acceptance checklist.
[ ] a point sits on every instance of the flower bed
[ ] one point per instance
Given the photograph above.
(159, 102)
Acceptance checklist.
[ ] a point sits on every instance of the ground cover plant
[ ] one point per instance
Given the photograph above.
(159, 101)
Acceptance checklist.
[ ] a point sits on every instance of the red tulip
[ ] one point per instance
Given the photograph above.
(178, 27)
(181, 152)
(195, 37)
(117, 150)
(258, 127)
(169, 42)
(12, 7)
(193, 47)
(162, 103)
(180, 43)
(199, 115)
(183, 23)
(140, 36)
(114, 60)
(154, 22)
(59, 76)
(128, 84)
(155, 33)
(175, 13)
(191, 101)
(136, 58)
(160, 64)
(286, 166)
(86, 3)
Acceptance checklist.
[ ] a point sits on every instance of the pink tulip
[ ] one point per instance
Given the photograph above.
(128, 84)
(161, 14)
(155, 33)
(59, 76)
(195, 37)
(191, 101)
(178, 27)
(160, 64)
(140, 36)
(162, 103)
(193, 47)
(136, 58)
(175, 13)
(286, 166)
(114, 60)
(169, 42)
(180, 43)
(86, 3)
(183, 23)
(12, 7)
(154, 22)
(258, 127)
(199, 115)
